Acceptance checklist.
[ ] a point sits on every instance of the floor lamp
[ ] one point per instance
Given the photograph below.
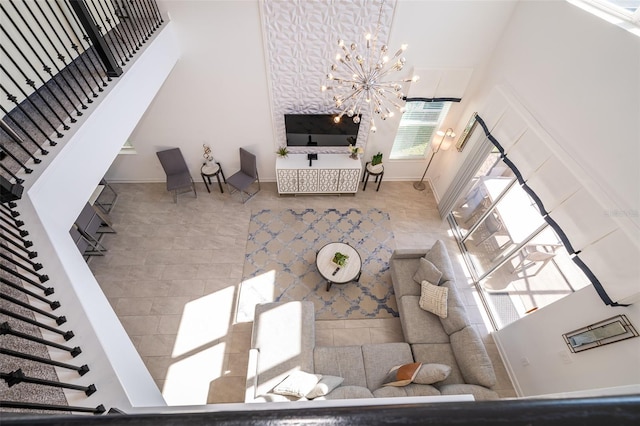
(435, 147)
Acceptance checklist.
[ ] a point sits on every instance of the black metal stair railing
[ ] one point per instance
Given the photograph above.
(57, 57)
(26, 312)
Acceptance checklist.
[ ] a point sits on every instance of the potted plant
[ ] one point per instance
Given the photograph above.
(340, 259)
(283, 151)
(376, 163)
(354, 151)
(376, 159)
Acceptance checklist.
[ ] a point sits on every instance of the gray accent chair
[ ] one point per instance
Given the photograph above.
(178, 176)
(242, 180)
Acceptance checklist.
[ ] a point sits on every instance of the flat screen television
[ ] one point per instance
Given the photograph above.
(319, 130)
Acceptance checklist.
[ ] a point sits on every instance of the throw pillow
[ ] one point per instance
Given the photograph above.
(401, 375)
(434, 299)
(432, 373)
(437, 255)
(325, 385)
(297, 384)
(427, 271)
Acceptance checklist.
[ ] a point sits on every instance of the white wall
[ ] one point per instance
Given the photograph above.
(579, 77)
(216, 94)
(552, 368)
(219, 91)
(57, 192)
(442, 35)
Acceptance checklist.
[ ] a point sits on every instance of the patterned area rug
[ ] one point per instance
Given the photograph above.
(281, 254)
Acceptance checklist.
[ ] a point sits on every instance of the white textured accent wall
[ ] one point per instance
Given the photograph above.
(301, 37)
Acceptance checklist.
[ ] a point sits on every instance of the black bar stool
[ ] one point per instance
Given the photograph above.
(369, 170)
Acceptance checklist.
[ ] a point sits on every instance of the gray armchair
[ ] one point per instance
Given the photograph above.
(178, 176)
(242, 180)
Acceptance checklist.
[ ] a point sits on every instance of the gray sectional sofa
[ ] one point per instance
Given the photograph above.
(283, 341)
(452, 340)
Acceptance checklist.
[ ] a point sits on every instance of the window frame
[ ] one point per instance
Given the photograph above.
(446, 105)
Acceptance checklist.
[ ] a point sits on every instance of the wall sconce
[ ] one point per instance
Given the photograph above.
(435, 147)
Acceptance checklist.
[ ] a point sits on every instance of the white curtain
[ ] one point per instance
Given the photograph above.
(479, 148)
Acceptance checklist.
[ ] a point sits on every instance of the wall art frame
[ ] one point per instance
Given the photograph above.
(601, 333)
(466, 133)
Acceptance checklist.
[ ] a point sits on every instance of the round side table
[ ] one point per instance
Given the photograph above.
(369, 170)
(333, 273)
(210, 169)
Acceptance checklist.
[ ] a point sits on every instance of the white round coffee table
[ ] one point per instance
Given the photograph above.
(333, 273)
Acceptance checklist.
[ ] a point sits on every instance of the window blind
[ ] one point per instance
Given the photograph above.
(419, 122)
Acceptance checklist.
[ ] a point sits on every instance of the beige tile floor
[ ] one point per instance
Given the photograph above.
(172, 274)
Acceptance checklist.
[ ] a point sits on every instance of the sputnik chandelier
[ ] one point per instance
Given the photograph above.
(357, 80)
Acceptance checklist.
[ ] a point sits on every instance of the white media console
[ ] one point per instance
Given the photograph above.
(329, 174)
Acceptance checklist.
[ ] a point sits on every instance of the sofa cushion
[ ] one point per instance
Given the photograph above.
(341, 361)
(413, 389)
(418, 325)
(457, 318)
(401, 375)
(402, 271)
(380, 358)
(472, 358)
(347, 392)
(432, 373)
(325, 386)
(298, 383)
(284, 334)
(440, 353)
(440, 258)
(434, 299)
(427, 271)
(480, 393)
(390, 392)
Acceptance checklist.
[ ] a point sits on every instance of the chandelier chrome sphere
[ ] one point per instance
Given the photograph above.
(357, 80)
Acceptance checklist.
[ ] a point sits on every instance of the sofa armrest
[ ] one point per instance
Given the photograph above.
(252, 376)
(408, 253)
